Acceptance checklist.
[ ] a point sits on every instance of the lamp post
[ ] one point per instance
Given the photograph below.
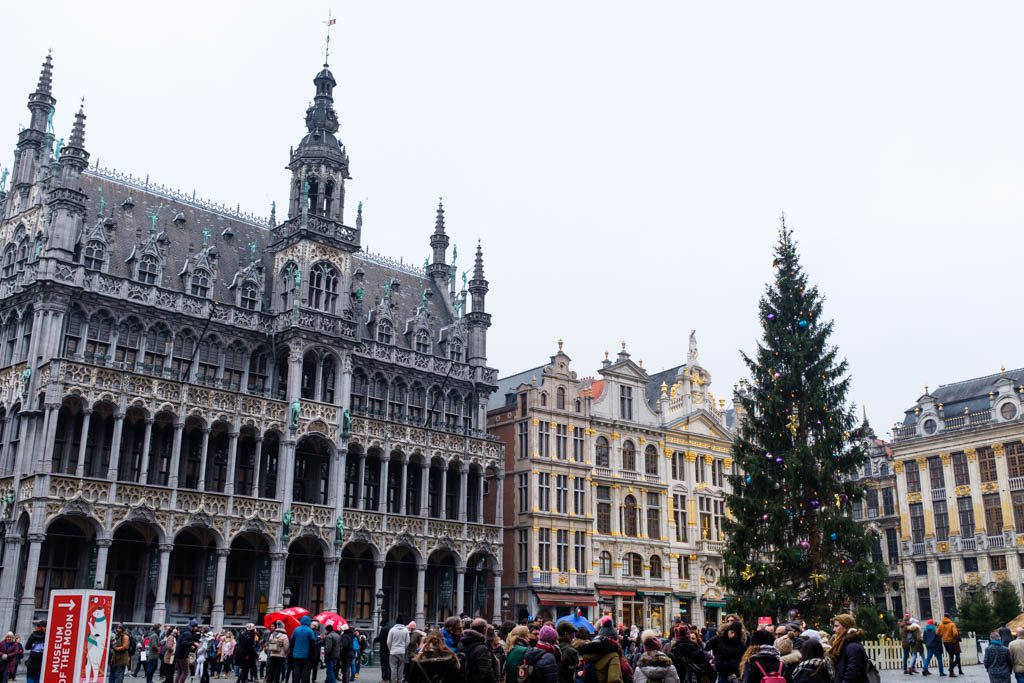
(286, 594)
(505, 599)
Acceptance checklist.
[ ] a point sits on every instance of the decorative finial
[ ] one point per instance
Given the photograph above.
(331, 21)
(641, 363)
(560, 342)
(273, 213)
(439, 221)
(623, 344)
(664, 389)
(925, 388)
(606, 355)
(45, 84)
(78, 129)
(359, 215)
(1002, 368)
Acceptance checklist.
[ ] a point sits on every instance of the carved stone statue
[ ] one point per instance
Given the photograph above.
(691, 356)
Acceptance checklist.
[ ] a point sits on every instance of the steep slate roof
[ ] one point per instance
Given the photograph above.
(970, 393)
(508, 384)
(185, 240)
(653, 389)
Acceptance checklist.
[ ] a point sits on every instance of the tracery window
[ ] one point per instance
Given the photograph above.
(385, 333)
(200, 283)
(148, 271)
(249, 296)
(94, 255)
(422, 342)
(323, 287)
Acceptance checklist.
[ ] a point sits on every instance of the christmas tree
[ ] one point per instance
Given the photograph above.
(792, 541)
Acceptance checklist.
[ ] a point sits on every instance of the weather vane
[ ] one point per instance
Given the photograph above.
(327, 42)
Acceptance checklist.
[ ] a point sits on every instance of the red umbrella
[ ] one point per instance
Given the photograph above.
(289, 616)
(332, 618)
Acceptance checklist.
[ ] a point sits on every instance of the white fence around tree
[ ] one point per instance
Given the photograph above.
(887, 653)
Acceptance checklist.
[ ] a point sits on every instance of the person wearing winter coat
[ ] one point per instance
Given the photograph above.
(654, 665)
(814, 666)
(545, 656)
(332, 651)
(933, 648)
(435, 663)
(516, 645)
(277, 651)
(304, 649)
(476, 653)
(950, 636)
(691, 660)
(397, 642)
(998, 662)
(790, 655)
(728, 648)
(570, 658)
(246, 652)
(10, 650)
(766, 661)
(385, 653)
(605, 654)
(848, 655)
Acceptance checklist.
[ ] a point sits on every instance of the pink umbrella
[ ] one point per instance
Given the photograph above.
(332, 618)
(289, 616)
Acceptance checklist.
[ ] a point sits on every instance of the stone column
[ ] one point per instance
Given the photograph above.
(9, 579)
(385, 461)
(146, 442)
(172, 476)
(80, 465)
(424, 489)
(102, 550)
(444, 492)
(499, 503)
(160, 605)
(462, 498)
(616, 512)
(378, 585)
(497, 616)
(361, 482)
(341, 480)
(478, 518)
(49, 436)
(460, 590)
(421, 573)
(217, 614)
(403, 480)
(229, 483)
(257, 468)
(286, 472)
(331, 583)
(7, 463)
(201, 484)
(115, 446)
(27, 607)
(276, 599)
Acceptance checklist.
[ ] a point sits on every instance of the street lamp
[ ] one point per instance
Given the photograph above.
(287, 596)
(505, 599)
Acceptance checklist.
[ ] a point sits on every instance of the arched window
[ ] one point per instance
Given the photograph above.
(148, 272)
(455, 350)
(288, 284)
(579, 405)
(385, 333)
(258, 371)
(560, 398)
(8, 261)
(417, 403)
(200, 284)
(423, 342)
(249, 296)
(629, 456)
(209, 360)
(601, 452)
(328, 378)
(26, 334)
(158, 337)
(94, 255)
(604, 567)
(72, 335)
(328, 198)
(234, 366)
(632, 566)
(181, 354)
(883, 469)
(452, 408)
(101, 327)
(11, 339)
(629, 517)
(378, 394)
(323, 287)
(314, 194)
(129, 338)
(656, 567)
(651, 460)
(435, 404)
(543, 399)
(359, 383)
(22, 257)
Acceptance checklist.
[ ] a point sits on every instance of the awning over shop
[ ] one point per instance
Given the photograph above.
(610, 593)
(566, 599)
(712, 603)
(654, 591)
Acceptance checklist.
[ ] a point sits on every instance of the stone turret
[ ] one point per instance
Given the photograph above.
(33, 143)
(478, 320)
(438, 269)
(66, 199)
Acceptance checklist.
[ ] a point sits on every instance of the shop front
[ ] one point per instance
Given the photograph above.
(684, 606)
(553, 605)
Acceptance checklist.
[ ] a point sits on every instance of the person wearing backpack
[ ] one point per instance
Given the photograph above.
(848, 655)
(766, 666)
(35, 645)
(277, 651)
(516, 645)
(654, 665)
(476, 653)
(933, 648)
(152, 652)
(435, 663)
(540, 663)
(998, 662)
(570, 658)
(601, 658)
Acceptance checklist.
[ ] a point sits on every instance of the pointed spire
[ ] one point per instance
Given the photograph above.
(478, 264)
(359, 216)
(439, 221)
(78, 130)
(45, 85)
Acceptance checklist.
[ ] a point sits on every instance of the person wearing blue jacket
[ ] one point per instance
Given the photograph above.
(998, 662)
(304, 649)
(933, 647)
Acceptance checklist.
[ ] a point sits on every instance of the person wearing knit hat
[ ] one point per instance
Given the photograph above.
(654, 664)
(762, 637)
(607, 631)
(728, 649)
(790, 656)
(604, 654)
(545, 657)
(850, 657)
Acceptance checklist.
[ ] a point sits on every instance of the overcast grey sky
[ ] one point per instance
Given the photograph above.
(624, 163)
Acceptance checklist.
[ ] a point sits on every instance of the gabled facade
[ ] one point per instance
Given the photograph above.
(216, 414)
(607, 494)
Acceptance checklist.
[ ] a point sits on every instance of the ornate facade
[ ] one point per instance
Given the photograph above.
(215, 414)
(959, 467)
(616, 495)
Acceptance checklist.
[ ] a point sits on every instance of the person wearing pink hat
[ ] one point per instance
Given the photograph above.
(545, 658)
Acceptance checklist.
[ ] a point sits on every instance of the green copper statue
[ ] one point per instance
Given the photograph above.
(152, 221)
(293, 422)
(3, 178)
(359, 295)
(346, 423)
(60, 145)
(25, 377)
(339, 530)
(101, 204)
(286, 524)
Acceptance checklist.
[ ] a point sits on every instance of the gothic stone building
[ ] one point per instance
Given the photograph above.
(617, 492)
(215, 415)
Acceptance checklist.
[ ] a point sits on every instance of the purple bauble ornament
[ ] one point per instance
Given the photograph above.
(805, 544)
(771, 316)
(764, 517)
(815, 503)
(778, 460)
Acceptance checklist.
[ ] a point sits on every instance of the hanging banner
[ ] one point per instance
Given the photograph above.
(78, 636)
